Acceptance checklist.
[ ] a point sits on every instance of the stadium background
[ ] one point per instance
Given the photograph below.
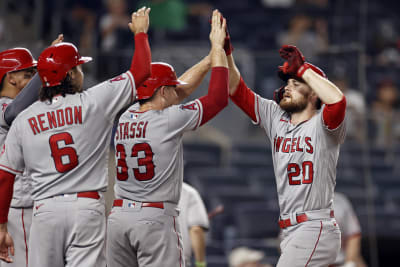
(229, 162)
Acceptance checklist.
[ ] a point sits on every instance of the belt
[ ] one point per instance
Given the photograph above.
(119, 203)
(89, 194)
(299, 219)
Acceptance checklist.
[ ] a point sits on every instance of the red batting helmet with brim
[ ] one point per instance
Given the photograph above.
(55, 62)
(162, 74)
(15, 59)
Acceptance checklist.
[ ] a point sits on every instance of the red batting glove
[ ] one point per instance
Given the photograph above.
(278, 94)
(294, 59)
(228, 47)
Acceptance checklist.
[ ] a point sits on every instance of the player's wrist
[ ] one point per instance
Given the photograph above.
(302, 69)
(3, 227)
(200, 264)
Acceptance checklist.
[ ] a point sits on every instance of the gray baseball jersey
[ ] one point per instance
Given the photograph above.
(149, 152)
(63, 144)
(22, 197)
(347, 220)
(193, 213)
(304, 157)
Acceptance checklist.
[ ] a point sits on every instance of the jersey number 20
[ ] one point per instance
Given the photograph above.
(306, 171)
(147, 161)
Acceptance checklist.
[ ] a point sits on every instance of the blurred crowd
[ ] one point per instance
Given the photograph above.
(362, 56)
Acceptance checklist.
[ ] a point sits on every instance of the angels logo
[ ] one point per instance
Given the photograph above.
(189, 106)
(3, 149)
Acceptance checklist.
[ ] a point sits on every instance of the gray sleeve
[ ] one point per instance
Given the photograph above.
(25, 98)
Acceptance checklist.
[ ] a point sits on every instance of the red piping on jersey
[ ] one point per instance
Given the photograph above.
(312, 253)
(198, 117)
(333, 114)
(179, 245)
(217, 97)
(6, 192)
(244, 98)
(26, 245)
(141, 61)
(134, 111)
(8, 168)
(130, 80)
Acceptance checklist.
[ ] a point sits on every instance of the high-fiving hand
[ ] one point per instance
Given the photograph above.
(140, 21)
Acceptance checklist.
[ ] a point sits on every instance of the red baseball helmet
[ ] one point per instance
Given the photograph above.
(161, 74)
(55, 62)
(15, 59)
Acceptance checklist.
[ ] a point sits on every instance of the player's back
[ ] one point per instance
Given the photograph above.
(64, 145)
(149, 152)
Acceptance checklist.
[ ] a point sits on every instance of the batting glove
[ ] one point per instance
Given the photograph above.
(278, 94)
(294, 59)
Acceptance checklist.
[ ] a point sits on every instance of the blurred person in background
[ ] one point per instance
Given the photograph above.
(247, 257)
(115, 38)
(194, 223)
(350, 252)
(170, 18)
(308, 34)
(355, 109)
(113, 27)
(385, 114)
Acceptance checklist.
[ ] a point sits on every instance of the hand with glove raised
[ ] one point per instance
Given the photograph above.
(295, 64)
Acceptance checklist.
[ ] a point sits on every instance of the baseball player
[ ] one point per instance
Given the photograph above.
(350, 252)
(143, 229)
(62, 142)
(193, 220)
(305, 147)
(19, 87)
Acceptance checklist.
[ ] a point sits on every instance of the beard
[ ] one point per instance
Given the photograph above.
(290, 106)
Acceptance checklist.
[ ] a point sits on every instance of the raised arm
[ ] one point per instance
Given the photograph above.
(28, 95)
(193, 77)
(240, 94)
(141, 61)
(217, 97)
(296, 66)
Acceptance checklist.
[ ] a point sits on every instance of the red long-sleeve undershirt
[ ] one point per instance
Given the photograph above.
(6, 192)
(217, 97)
(244, 98)
(333, 114)
(141, 60)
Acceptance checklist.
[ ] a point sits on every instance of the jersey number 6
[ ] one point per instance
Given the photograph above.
(59, 154)
(147, 161)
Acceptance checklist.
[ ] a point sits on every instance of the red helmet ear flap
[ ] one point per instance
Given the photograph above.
(161, 74)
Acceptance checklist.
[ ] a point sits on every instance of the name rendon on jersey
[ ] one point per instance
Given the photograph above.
(54, 119)
(130, 130)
